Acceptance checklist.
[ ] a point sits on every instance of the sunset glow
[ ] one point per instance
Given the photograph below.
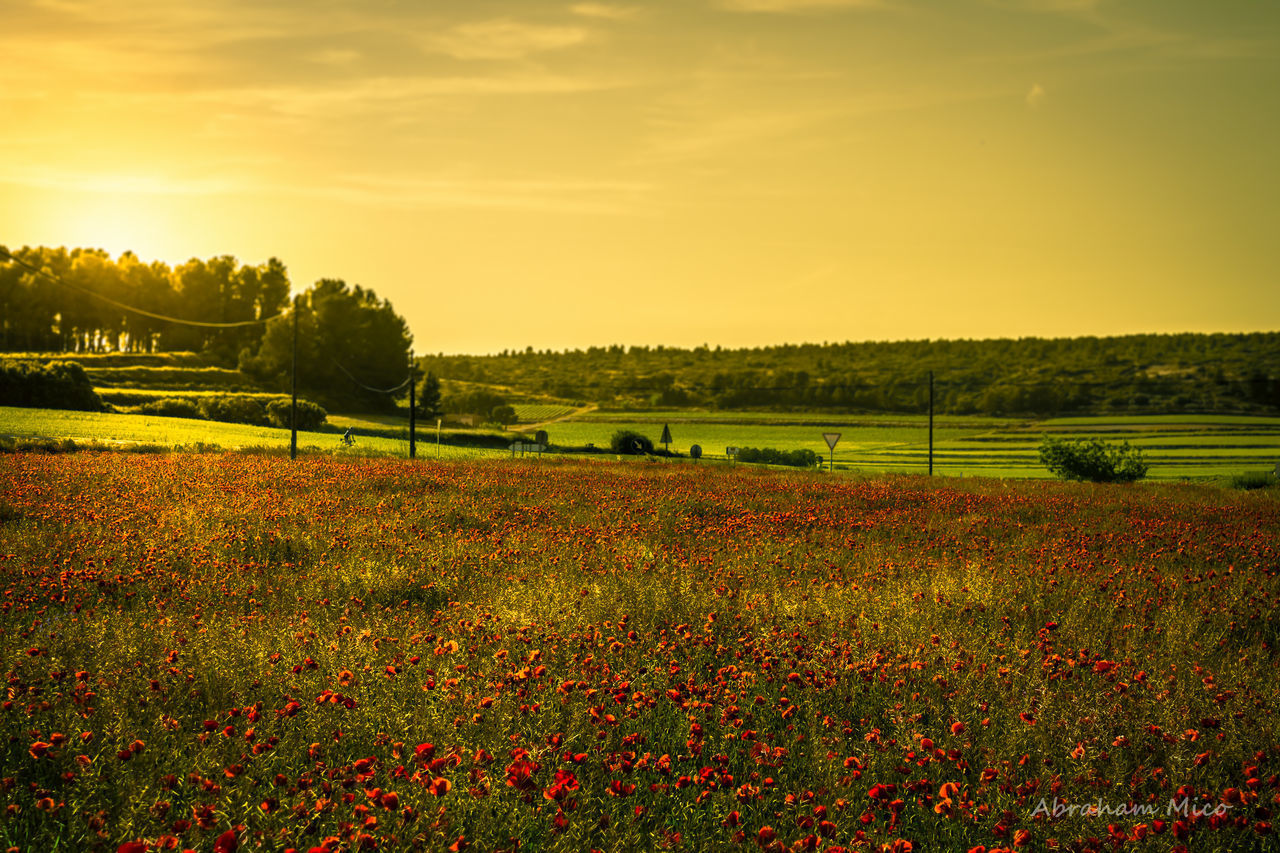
(735, 172)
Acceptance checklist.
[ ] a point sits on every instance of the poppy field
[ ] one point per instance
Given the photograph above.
(226, 652)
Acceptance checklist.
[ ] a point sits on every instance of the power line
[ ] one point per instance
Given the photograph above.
(141, 311)
(338, 365)
(202, 324)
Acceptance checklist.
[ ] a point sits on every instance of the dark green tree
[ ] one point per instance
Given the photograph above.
(351, 347)
(476, 402)
(505, 415)
(428, 397)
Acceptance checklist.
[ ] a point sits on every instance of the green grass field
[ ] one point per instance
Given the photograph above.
(824, 419)
(1174, 447)
(183, 432)
(532, 413)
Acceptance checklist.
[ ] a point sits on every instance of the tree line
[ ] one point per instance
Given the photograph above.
(1027, 376)
(352, 345)
(41, 316)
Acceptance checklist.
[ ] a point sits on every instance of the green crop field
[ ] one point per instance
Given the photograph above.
(134, 396)
(1151, 421)
(532, 413)
(825, 419)
(1175, 448)
(185, 432)
(165, 377)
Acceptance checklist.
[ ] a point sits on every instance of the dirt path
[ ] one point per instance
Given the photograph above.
(581, 410)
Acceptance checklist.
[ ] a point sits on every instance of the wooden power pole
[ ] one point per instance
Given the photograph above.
(293, 410)
(413, 424)
(930, 423)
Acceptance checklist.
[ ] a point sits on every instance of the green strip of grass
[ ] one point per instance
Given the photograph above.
(182, 432)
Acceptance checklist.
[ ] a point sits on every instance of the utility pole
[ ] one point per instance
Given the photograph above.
(930, 423)
(293, 411)
(413, 424)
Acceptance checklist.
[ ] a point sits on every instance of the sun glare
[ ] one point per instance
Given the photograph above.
(118, 221)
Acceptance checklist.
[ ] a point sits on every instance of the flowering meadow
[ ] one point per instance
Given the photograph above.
(227, 652)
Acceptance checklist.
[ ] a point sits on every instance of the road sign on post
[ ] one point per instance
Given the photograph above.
(666, 437)
(523, 447)
(831, 438)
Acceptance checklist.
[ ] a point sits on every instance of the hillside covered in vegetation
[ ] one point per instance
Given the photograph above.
(1134, 373)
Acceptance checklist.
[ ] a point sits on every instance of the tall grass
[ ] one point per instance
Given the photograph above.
(351, 653)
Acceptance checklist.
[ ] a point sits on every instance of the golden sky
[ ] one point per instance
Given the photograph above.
(734, 172)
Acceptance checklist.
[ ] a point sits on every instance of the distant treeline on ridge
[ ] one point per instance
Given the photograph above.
(1031, 376)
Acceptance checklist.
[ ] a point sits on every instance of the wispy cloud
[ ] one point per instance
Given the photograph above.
(1146, 44)
(401, 191)
(1035, 95)
(119, 183)
(335, 56)
(552, 195)
(504, 38)
(784, 6)
(370, 95)
(1067, 6)
(607, 11)
(705, 136)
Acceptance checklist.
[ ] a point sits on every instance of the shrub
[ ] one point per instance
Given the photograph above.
(472, 402)
(1253, 480)
(630, 442)
(14, 444)
(310, 415)
(170, 407)
(235, 410)
(1093, 460)
(504, 414)
(800, 458)
(56, 385)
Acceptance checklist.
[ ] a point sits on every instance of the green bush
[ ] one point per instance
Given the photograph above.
(1253, 480)
(55, 385)
(169, 407)
(630, 442)
(1092, 459)
(504, 414)
(472, 402)
(14, 444)
(235, 410)
(800, 458)
(310, 415)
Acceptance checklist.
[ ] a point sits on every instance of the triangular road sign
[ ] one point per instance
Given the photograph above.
(831, 438)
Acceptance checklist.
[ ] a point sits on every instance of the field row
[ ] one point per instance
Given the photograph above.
(1173, 448)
